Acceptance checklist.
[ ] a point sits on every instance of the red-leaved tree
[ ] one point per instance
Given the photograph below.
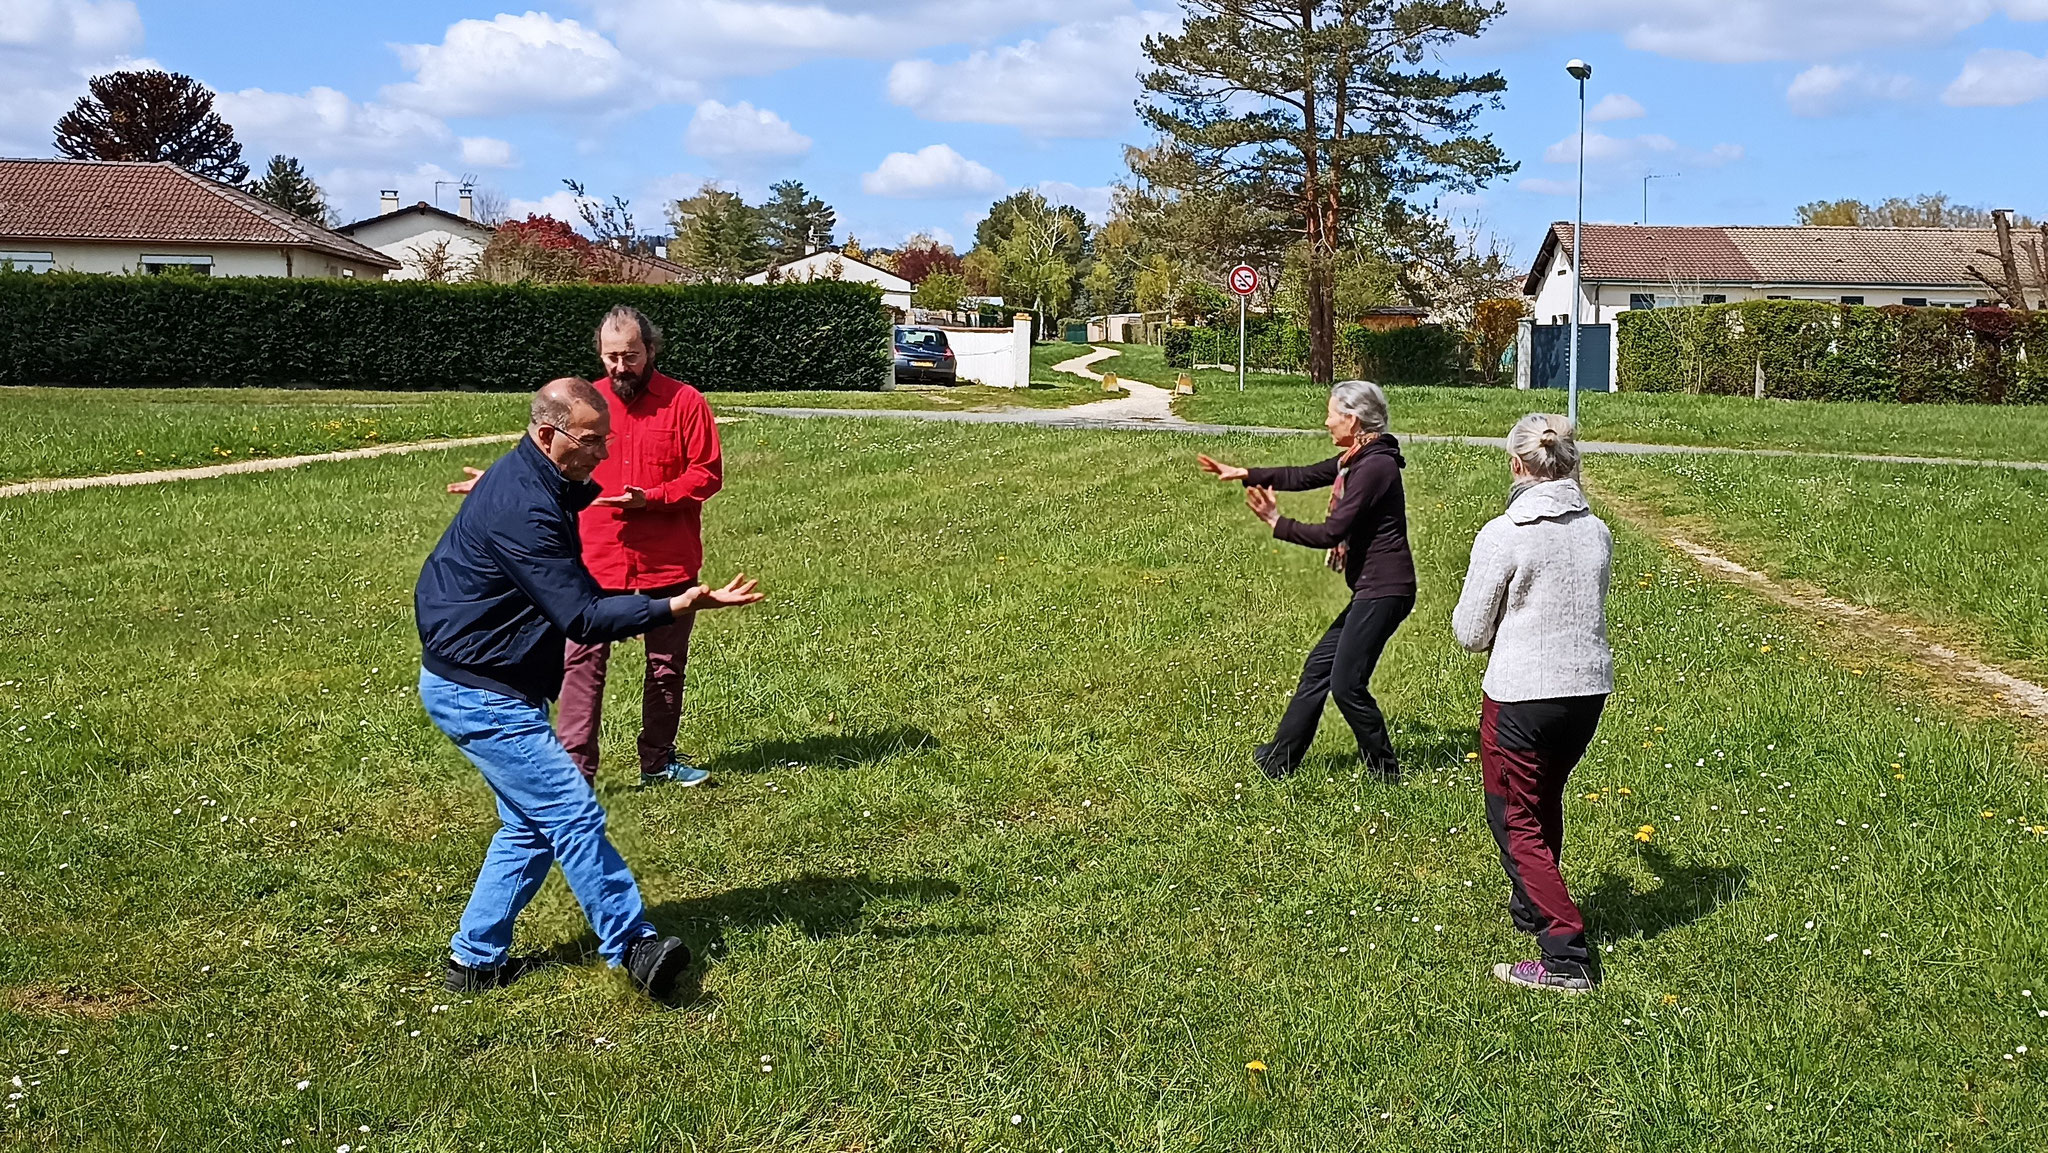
(921, 256)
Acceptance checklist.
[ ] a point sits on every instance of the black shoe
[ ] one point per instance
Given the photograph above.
(1263, 757)
(654, 963)
(1389, 774)
(463, 979)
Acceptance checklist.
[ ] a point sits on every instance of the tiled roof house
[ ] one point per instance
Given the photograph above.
(149, 217)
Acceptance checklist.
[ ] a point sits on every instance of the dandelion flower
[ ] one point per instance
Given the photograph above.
(1255, 1066)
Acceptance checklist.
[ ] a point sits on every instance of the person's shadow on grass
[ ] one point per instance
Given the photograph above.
(823, 750)
(1614, 911)
(818, 906)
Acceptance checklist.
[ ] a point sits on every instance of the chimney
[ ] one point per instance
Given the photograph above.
(468, 195)
(387, 201)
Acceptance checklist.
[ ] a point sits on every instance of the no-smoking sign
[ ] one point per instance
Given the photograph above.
(1244, 280)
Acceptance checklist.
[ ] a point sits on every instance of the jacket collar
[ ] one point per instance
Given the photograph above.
(1549, 500)
(572, 495)
(1385, 444)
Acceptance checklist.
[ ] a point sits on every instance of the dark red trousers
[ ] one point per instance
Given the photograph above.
(579, 718)
(1527, 751)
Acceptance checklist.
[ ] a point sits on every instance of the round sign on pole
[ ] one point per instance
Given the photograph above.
(1244, 280)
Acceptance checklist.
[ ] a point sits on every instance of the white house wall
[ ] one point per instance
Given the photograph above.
(228, 259)
(405, 235)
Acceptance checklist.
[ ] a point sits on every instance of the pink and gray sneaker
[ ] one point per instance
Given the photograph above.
(1533, 975)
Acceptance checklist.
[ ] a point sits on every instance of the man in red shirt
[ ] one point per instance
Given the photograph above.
(643, 534)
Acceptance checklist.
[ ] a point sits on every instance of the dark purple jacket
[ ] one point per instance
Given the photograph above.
(1371, 520)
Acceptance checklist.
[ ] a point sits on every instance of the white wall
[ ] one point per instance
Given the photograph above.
(228, 259)
(996, 357)
(406, 234)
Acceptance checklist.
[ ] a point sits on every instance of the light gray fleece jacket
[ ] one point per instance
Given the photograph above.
(1536, 597)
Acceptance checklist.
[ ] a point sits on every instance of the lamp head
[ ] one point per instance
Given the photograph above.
(1580, 70)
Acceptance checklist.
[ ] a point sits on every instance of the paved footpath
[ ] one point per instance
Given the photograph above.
(266, 464)
(1078, 418)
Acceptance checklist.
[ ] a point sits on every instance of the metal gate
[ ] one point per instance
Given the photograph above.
(1549, 367)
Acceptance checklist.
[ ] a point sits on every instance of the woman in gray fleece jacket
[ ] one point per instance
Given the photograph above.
(1535, 597)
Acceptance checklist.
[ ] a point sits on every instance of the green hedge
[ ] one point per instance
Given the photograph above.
(1425, 354)
(65, 328)
(1812, 350)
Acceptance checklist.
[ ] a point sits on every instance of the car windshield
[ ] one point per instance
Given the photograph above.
(921, 339)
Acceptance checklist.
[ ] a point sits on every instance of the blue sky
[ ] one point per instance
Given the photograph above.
(913, 115)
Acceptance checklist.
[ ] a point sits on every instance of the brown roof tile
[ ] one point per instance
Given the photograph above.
(1795, 255)
(118, 200)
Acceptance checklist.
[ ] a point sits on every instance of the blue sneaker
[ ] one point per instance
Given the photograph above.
(677, 772)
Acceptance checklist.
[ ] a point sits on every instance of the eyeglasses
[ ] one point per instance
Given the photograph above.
(586, 442)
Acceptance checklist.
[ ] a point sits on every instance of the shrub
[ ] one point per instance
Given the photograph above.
(1818, 351)
(68, 328)
(1424, 354)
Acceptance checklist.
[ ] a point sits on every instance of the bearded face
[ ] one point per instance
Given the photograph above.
(625, 359)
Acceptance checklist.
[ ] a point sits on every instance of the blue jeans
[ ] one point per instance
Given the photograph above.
(550, 815)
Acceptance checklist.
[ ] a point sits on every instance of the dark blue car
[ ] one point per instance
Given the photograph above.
(923, 356)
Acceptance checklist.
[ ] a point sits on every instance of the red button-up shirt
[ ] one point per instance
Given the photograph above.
(666, 443)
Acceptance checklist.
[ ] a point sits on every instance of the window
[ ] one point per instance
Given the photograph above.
(1914, 302)
(27, 261)
(1639, 301)
(1714, 298)
(177, 265)
(1852, 300)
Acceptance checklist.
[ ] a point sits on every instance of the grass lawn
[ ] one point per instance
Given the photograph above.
(88, 431)
(1289, 401)
(984, 867)
(1958, 547)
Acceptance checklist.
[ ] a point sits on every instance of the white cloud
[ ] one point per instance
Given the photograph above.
(934, 170)
(742, 132)
(1616, 106)
(1078, 81)
(561, 205)
(1651, 147)
(324, 123)
(48, 49)
(529, 63)
(1999, 78)
(1752, 30)
(713, 38)
(1831, 89)
(1093, 201)
(1546, 187)
(487, 152)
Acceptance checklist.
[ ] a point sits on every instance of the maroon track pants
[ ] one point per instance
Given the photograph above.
(1527, 750)
(579, 719)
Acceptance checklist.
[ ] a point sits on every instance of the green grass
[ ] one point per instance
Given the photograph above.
(1958, 547)
(1290, 401)
(89, 431)
(984, 842)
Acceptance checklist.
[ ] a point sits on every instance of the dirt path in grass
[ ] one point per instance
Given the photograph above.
(1959, 669)
(1146, 403)
(269, 464)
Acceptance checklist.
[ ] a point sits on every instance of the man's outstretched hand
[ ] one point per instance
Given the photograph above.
(737, 591)
(462, 487)
(631, 498)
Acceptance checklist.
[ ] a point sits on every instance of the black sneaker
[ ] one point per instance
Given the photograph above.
(1269, 765)
(654, 963)
(463, 979)
(1389, 774)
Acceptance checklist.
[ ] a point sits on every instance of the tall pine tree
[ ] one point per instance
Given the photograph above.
(719, 235)
(796, 223)
(286, 185)
(1304, 117)
(152, 115)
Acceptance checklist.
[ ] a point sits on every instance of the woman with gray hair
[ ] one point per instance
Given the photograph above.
(1366, 537)
(1535, 597)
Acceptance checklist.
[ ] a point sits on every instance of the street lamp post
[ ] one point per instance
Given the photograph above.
(1582, 72)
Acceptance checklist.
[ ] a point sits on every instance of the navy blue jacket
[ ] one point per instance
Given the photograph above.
(507, 584)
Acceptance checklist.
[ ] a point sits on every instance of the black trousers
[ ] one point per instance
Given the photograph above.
(1341, 666)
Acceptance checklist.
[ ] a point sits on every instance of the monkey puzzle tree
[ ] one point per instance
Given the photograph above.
(152, 115)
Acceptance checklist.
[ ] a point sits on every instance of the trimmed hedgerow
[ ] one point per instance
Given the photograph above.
(1813, 350)
(80, 329)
